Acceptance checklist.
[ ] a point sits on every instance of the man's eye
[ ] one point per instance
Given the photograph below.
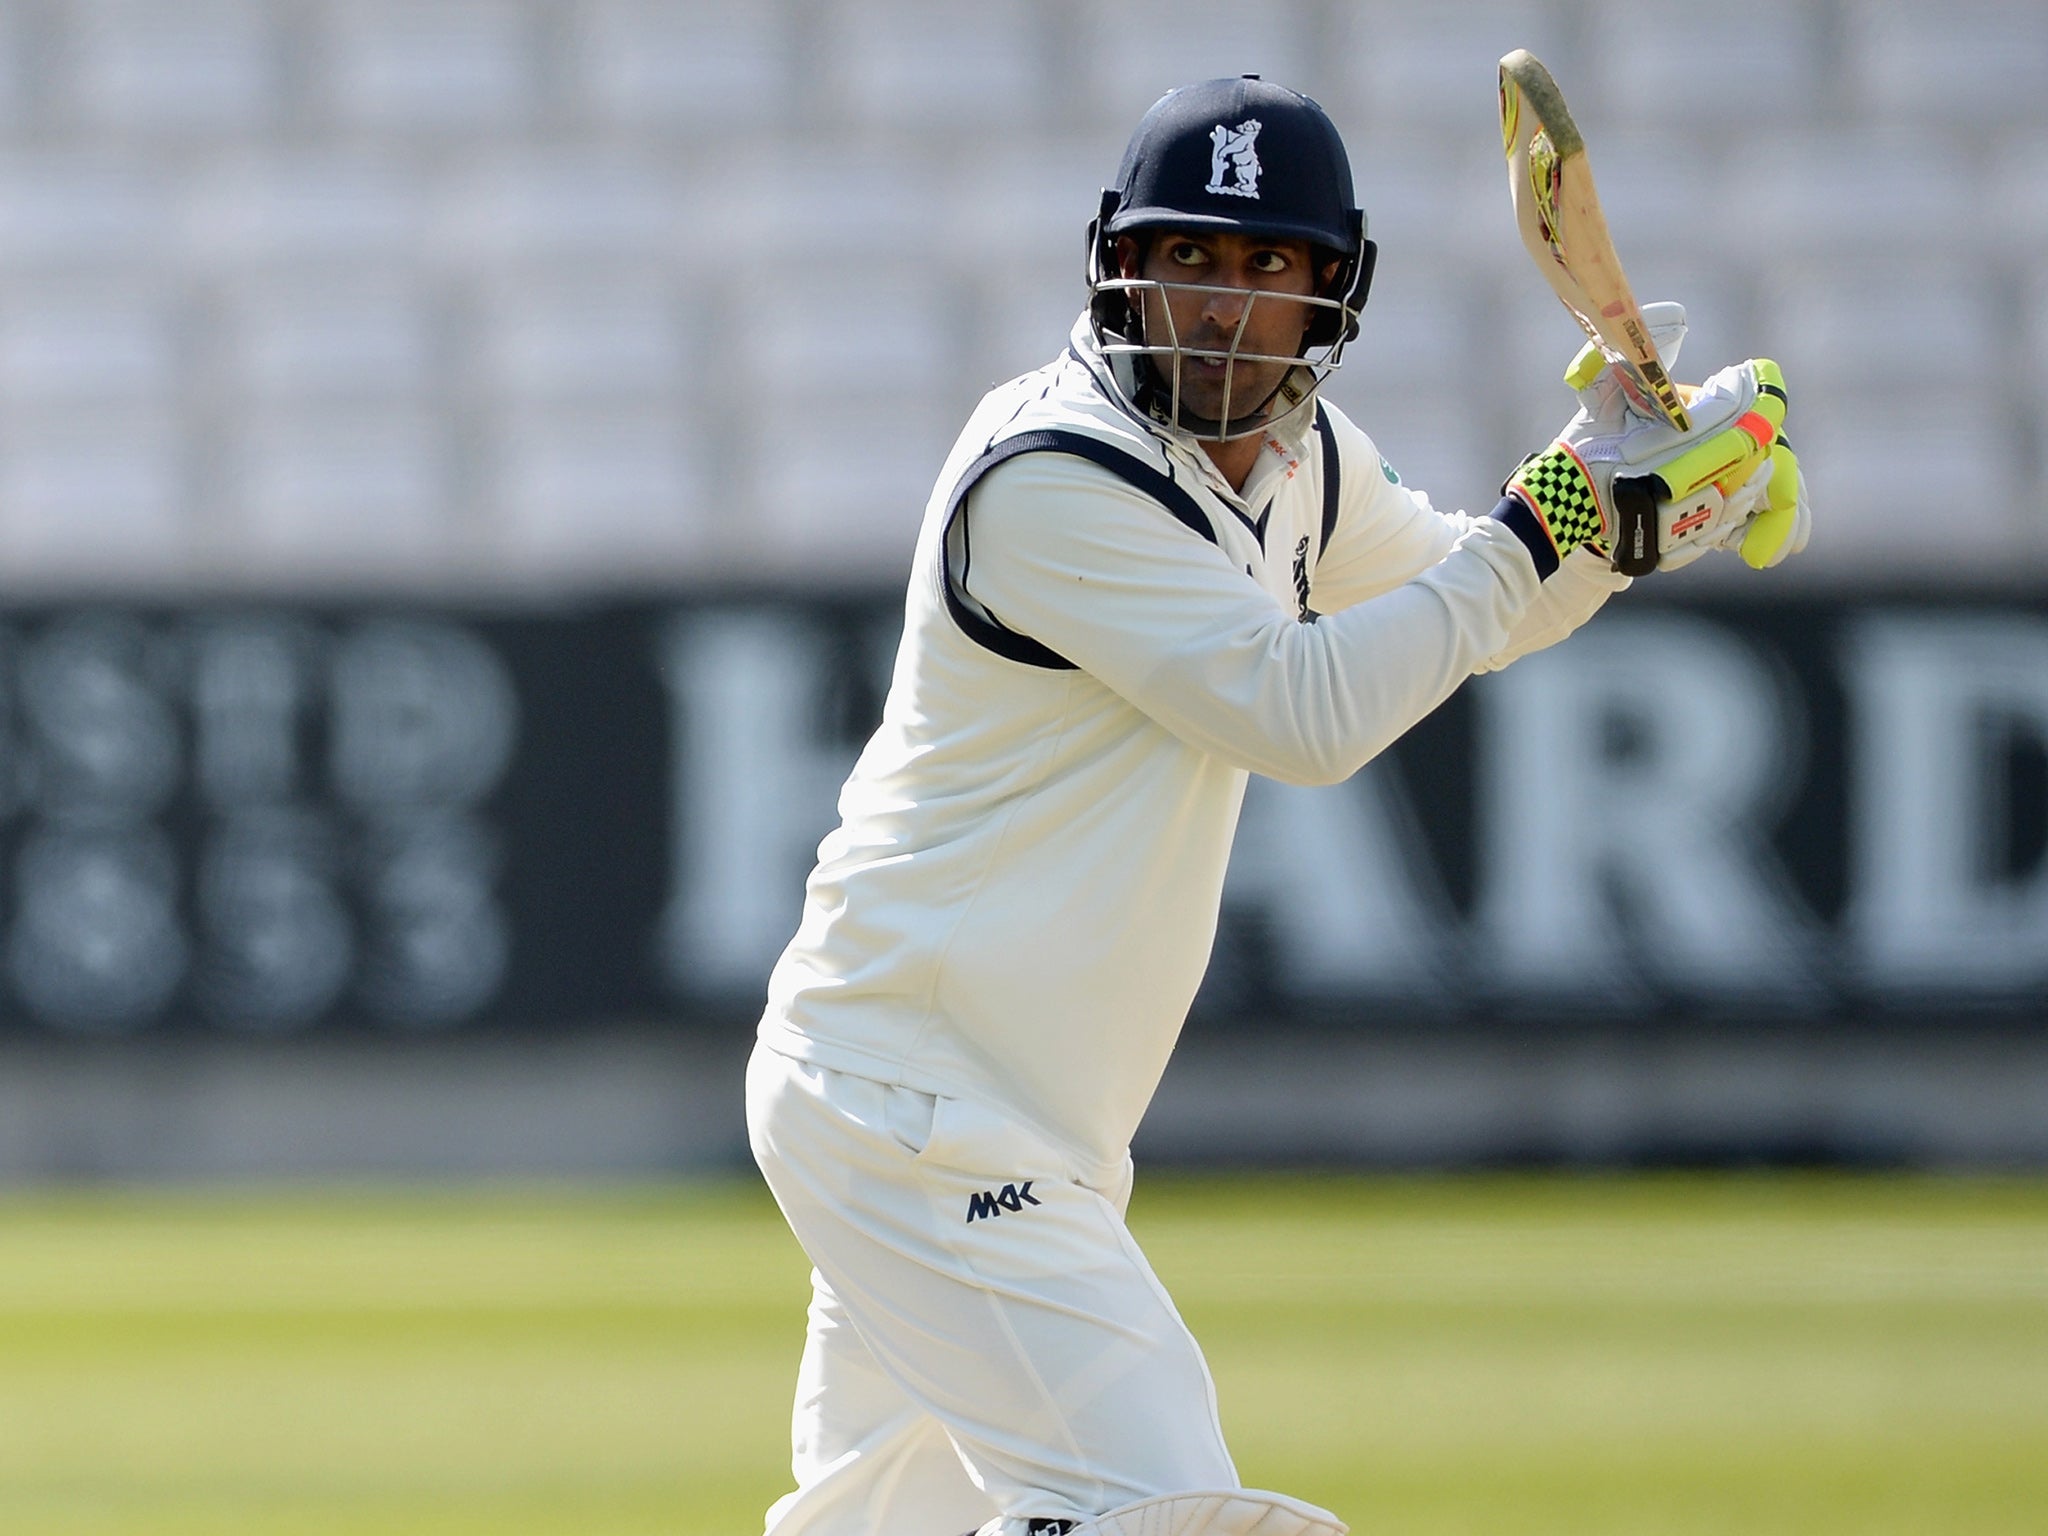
(1269, 261)
(1187, 255)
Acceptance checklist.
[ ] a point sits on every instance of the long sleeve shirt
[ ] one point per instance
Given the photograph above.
(1020, 899)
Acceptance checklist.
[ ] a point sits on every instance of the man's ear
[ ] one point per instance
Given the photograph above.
(1128, 256)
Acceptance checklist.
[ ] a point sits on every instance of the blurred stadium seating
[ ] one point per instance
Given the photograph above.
(458, 461)
(462, 294)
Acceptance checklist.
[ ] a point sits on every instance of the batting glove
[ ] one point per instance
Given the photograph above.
(1739, 489)
(1617, 481)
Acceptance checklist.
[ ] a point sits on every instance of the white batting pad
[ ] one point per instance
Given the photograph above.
(1239, 1512)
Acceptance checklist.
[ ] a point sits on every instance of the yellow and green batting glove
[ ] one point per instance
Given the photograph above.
(1740, 490)
(1651, 497)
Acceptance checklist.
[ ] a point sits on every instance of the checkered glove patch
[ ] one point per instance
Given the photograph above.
(1557, 488)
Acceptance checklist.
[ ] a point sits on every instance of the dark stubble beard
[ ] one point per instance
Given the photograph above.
(1251, 398)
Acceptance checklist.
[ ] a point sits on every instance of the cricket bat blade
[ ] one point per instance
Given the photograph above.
(1557, 210)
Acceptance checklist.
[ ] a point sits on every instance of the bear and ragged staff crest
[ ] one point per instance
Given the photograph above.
(1234, 152)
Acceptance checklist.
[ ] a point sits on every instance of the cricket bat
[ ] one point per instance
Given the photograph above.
(1558, 212)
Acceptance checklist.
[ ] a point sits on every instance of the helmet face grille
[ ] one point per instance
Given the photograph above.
(1160, 367)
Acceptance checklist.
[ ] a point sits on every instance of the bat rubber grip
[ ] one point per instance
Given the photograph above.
(1635, 513)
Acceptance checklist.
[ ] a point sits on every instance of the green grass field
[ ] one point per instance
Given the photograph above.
(1673, 1355)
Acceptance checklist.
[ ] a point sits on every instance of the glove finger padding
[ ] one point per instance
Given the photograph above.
(1779, 531)
(1729, 526)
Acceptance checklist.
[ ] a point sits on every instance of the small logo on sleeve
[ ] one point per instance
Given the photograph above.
(993, 1202)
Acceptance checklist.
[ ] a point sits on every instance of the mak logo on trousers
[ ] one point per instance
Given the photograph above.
(992, 1202)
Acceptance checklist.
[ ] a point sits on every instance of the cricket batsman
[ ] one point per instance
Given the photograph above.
(1156, 565)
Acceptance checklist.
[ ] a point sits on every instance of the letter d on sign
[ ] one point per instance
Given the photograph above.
(1938, 702)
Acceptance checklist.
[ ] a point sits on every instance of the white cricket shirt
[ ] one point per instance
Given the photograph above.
(1020, 899)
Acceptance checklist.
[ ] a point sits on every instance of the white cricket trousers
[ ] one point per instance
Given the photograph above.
(985, 1337)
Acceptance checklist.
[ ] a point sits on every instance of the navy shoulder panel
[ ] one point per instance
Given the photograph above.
(1327, 436)
(1133, 471)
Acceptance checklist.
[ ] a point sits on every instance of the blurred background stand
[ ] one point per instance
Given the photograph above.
(459, 461)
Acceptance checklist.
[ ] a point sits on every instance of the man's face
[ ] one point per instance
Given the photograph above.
(1249, 280)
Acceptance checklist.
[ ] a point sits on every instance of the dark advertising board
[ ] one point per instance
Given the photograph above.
(304, 820)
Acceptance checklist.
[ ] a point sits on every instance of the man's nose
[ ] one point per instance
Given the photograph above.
(1225, 306)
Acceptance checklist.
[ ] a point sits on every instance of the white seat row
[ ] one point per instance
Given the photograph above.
(123, 493)
(595, 336)
(493, 66)
(1838, 196)
(627, 494)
